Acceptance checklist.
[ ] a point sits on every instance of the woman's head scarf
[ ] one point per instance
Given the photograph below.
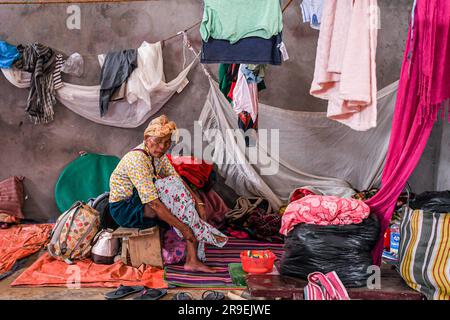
(160, 127)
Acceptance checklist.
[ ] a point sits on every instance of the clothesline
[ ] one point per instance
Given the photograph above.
(163, 41)
(37, 2)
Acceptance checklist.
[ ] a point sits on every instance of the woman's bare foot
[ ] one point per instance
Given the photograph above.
(198, 266)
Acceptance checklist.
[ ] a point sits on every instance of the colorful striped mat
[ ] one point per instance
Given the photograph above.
(219, 258)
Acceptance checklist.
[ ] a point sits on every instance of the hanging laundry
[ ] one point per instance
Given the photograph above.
(248, 50)
(74, 64)
(232, 74)
(245, 95)
(57, 81)
(8, 54)
(39, 60)
(141, 82)
(254, 73)
(312, 12)
(84, 100)
(233, 20)
(224, 80)
(345, 69)
(228, 74)
(115, 71)
(245, 122)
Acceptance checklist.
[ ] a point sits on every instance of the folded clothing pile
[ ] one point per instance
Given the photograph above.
(254, 218)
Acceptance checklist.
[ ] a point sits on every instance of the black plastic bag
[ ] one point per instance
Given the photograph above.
(432, 201)
(345, 249)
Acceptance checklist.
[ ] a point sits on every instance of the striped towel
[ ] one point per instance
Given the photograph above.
(218, 258)
(325, 287)
(57, 82)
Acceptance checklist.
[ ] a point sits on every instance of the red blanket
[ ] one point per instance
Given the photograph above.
(48, 272)
(197, 172)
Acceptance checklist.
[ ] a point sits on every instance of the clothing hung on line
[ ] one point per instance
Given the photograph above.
(254, 50)
(237, 19)
(115, 71)
(245, 95)
(345, 67)
(40, 61)
(147, 97)
(254, 73)
(8, 54)
(228, 74)
(312, 12)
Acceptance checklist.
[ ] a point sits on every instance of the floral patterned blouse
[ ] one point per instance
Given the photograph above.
(137, 170)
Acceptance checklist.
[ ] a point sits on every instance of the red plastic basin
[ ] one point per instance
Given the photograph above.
(258, 265)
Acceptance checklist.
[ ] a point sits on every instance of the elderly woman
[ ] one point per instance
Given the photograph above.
(145, 191)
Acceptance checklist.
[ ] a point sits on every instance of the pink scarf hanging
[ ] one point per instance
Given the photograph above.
(423, 91)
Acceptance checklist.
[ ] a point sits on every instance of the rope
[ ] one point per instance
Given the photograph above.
(113, 1)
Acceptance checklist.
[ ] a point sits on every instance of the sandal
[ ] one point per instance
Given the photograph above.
(151, 294)
(123, 291)
(183, 296)
(212, 295)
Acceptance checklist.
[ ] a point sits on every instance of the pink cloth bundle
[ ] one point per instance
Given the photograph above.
(323, 210)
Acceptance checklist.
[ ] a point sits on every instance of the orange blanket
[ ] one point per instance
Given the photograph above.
(48, 272)
(20, 241)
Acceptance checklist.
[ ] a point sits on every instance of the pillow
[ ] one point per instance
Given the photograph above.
(12, 197)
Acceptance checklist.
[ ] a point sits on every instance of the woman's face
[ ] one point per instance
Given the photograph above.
(158, 146)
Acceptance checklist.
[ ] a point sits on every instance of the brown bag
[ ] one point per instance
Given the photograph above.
(12, 197)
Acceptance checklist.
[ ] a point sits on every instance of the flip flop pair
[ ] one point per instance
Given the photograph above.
(207, 295)
(146, 294)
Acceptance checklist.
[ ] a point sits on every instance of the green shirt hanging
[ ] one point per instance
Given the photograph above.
(233, 20)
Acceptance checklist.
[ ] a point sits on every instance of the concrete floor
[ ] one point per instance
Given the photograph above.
(48, 293)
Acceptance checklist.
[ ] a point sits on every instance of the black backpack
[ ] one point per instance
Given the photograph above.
(101, 204)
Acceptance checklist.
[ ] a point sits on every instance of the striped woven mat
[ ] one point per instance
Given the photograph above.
(218, 258)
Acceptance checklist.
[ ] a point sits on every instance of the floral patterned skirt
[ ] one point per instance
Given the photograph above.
(173, 193)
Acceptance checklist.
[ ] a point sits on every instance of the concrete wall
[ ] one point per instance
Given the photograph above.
(40, 152)
(443, 172)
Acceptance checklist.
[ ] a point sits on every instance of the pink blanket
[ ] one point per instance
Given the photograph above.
(345, 70)
(323, 210)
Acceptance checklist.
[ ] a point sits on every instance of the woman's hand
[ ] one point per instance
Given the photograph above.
(201, 212)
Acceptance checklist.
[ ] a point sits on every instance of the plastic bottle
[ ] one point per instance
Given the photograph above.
(395, 238)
